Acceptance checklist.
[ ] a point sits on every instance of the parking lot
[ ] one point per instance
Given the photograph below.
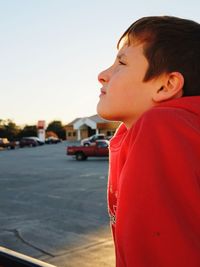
(53, 207)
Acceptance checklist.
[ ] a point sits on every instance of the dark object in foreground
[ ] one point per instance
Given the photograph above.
(10, 258)
(98, 149)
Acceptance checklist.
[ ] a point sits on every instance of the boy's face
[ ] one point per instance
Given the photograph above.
(124, 96)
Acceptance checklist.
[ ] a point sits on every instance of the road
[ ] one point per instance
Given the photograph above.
(54, 208)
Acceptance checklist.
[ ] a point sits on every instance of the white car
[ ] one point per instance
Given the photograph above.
(92, 139)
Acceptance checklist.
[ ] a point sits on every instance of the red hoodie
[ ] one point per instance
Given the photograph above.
(154, 187)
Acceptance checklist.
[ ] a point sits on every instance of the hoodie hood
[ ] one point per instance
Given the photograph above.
(190, 104)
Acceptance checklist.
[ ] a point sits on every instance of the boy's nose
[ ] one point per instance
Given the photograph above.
(103, 77)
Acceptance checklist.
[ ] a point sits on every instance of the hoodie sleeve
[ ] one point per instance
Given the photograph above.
(158, 209)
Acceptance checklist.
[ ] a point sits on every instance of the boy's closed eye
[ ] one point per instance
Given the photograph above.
(121, 58)
(121, 62)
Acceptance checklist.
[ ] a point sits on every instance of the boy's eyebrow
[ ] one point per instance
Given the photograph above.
(120, 56)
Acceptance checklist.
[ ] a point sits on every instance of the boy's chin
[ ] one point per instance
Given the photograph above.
(105, 116)
(102, 113)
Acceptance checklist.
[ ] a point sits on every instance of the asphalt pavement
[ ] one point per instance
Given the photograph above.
(53, 207)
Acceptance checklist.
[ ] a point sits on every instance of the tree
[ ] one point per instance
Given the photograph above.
(9, 129)
(58, 128)
(28, 130)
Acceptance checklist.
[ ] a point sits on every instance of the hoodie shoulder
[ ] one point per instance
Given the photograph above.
(174, 119)
(182, 111)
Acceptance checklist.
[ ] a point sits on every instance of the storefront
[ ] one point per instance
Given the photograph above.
(84, 127)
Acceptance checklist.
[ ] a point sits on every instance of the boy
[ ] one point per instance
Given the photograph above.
(153, 88)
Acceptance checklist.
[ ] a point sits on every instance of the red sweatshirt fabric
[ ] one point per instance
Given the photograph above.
(154, 187)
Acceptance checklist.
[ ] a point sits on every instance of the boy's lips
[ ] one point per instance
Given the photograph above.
(103, 91)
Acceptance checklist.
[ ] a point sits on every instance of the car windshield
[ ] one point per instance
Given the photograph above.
(102, 144)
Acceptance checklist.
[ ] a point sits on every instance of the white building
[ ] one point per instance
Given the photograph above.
(83, 127)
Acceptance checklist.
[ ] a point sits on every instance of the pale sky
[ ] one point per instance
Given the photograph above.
(51, 52)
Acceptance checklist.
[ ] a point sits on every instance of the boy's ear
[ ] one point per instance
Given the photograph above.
(172, 87)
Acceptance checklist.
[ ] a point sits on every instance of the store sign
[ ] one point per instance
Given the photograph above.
(41, 125)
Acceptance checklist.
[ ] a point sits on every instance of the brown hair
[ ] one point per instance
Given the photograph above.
(170, 44)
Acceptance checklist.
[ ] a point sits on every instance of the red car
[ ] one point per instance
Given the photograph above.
(97, 149)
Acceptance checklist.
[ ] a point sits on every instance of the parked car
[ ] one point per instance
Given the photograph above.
(52, 140)
(92, 139)
(27, 141)
(38, 140)
(109, 137)
(5, 143)
(97, 149)
(30, 141)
